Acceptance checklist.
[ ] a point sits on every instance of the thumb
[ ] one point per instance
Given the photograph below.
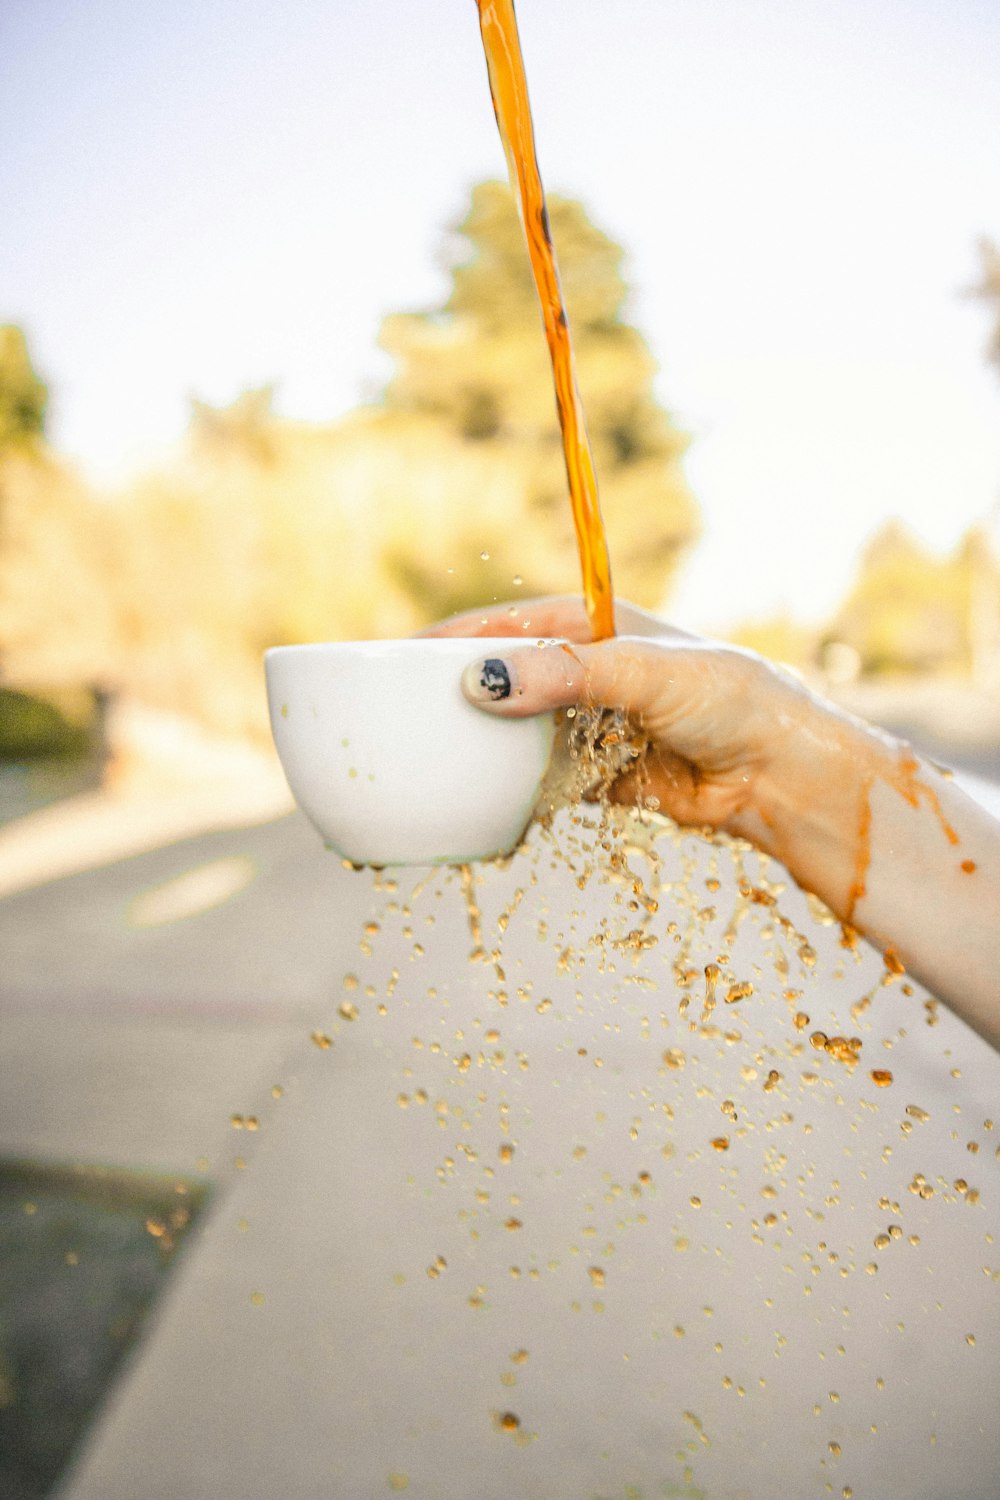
(618, 673)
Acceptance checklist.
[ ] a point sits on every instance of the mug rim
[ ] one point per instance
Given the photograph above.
(407, 644)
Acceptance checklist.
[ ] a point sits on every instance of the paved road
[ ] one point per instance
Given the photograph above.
(683, 1320)
(143, 1001)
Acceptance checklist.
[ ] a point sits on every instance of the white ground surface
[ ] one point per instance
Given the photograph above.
(678, 1343)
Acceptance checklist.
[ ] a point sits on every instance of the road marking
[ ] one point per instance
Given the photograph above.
(195, 891)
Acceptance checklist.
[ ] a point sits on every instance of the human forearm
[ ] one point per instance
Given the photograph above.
(885, 840)
(895, 849)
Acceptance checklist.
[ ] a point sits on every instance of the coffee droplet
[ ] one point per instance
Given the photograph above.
(892, 960)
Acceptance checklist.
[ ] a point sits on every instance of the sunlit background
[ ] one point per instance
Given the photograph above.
(272, 370)
(212, 201)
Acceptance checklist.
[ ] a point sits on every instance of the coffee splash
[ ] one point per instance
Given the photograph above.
(650, 1028)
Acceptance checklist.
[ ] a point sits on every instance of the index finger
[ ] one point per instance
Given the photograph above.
(554, 616)
(562, 615)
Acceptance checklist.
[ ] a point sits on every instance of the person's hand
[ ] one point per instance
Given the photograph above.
(889, 844)
(712, 714)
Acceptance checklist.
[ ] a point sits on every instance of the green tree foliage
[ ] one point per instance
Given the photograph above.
(476, 373)
(23, 396)
(34, 729)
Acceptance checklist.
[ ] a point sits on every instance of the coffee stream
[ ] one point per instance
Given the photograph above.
(509, 90)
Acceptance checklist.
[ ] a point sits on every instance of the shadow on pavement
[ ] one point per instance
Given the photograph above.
(85, 1253)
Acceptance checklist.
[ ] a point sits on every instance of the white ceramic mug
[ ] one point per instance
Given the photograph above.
(388, 760)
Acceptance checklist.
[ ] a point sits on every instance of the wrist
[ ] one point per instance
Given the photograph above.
(810, 805)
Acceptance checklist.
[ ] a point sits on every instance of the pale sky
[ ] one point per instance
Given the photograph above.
(198, 197)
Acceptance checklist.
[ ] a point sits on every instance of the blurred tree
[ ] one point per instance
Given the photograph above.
(448, 492)
(57, 574)
(989, 290)
(780, 638)
(55, 618)
(23, 395)
(477, 372)
(246, 427)
(910, 611)
(980, 563)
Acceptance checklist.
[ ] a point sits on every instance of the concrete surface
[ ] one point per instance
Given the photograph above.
(348, 1322)
(138, 1012)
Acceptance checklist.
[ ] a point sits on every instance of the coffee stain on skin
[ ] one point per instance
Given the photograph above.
(890, 957)
(863, 850)
(903, 776)
(909, 786)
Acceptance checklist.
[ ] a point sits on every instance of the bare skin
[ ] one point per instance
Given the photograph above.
(889, 844)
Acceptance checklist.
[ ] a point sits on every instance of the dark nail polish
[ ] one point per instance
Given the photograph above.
(494, 678)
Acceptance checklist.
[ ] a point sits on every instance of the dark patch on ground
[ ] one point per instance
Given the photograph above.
(84, 1251)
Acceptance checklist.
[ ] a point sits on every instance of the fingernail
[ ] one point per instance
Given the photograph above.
(488, 681)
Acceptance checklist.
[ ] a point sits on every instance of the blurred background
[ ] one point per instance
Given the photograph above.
(272, 369)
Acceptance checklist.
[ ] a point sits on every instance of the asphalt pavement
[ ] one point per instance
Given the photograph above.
(485, 1240)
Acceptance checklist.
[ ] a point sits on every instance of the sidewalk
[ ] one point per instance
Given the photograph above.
(173, 784)
(345, 1321)
(163, 947)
